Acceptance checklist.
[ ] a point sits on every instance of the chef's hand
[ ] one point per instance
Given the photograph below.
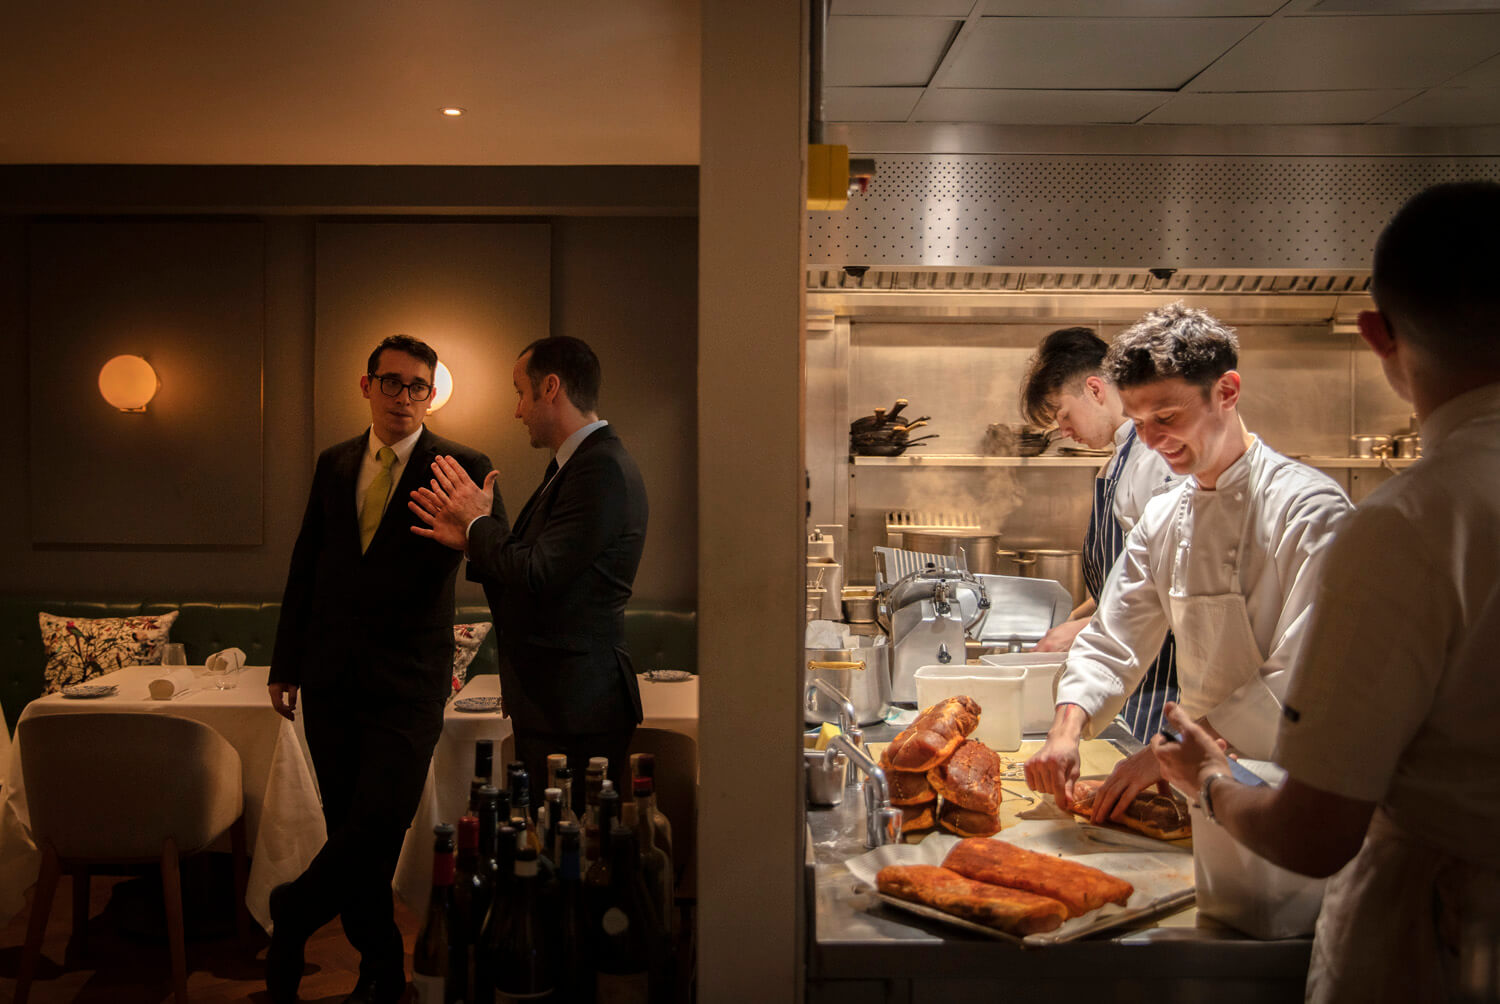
(284, 699)
(1130, 777)
(1060, 638)
(451, 503)
(1187, 763)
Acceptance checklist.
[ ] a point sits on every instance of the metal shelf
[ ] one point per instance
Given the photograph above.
(969, 460)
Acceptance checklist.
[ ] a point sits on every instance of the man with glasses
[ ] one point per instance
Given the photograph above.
(365, 641)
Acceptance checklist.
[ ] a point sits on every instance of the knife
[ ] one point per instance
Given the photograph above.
(1238, 771)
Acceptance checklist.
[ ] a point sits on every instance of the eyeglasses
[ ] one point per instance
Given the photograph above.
(392, 386)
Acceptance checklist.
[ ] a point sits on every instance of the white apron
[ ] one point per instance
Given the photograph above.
(1217, 653)
(1407, 922)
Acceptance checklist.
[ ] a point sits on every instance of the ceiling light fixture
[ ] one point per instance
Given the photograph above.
(453, 111)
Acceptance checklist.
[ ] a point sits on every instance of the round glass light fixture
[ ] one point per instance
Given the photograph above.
(128, 383)
(453, 111)
(442, 388)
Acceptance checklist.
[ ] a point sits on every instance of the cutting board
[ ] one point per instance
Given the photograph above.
(1096, 756)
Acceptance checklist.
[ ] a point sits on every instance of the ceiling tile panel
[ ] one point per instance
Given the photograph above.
(869, 104)
(1448, 106)
(1090, 53)
(914, 8)
(1486, 74)
(886, 51)
(1132, 8)
(1277, 107)
(1036, 107)
(1354, 53)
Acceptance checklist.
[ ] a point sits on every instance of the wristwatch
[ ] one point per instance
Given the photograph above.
(1205, 795)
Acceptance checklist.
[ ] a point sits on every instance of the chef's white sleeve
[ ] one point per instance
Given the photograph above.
(1112, 653)
(1370, 670)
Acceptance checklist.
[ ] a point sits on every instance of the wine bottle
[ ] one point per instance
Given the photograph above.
(548, 820)
(484, 761)
(656, 867)
(523, 964)
(596, 877)
(486, 956)
(429, 961)
(574, 957)
(644, 765)
(555, 762)
(471, 892)
(632, 955)
(593, 784)
(570, 811)
(520, 810)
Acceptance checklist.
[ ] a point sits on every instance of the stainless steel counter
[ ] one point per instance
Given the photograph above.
(861, 946)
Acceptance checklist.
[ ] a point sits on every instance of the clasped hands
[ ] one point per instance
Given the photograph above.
(451, 503)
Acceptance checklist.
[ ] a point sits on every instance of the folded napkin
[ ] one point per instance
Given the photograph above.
(172, 681)
(231, 660)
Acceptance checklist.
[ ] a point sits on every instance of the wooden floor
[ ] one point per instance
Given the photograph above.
(123, 970)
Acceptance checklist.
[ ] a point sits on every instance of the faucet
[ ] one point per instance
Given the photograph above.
(882, 820)
(847, 719)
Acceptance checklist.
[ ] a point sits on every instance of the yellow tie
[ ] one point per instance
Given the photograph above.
(375, 496)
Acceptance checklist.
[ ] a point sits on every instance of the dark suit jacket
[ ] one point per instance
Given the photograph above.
(381, 621)
(557, 583)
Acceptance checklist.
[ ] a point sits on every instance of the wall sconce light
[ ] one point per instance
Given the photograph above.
(442, 388)
(128, 383)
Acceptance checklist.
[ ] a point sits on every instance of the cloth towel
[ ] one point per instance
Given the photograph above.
(230, 660)
(170, 683)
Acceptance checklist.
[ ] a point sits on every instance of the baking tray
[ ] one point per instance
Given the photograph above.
(1162, 874)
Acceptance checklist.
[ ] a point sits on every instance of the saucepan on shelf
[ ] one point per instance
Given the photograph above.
(1369, 445)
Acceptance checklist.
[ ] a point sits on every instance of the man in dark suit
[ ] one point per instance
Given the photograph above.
(558, 579)
(365, 639)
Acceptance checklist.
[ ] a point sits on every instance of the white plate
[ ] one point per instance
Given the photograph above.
(80, 691)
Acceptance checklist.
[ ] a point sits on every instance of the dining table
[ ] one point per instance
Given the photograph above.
(283, 816)
(283, 813)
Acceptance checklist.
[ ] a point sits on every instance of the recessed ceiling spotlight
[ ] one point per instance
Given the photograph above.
(453, 112)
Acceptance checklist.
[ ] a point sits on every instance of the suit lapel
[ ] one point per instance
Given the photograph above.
(548, 488)
(345, 477)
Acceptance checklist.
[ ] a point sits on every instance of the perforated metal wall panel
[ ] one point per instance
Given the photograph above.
(1116, 212)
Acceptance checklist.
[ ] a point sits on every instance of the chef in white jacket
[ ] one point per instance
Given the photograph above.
(1227, 561)
(1389, 729)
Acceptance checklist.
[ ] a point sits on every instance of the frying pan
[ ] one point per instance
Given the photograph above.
(878, 420)
(887, 448)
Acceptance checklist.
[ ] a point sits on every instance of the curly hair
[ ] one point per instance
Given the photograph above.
(1172, 341)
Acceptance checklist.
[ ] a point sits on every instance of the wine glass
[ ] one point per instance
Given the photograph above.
(174, 653)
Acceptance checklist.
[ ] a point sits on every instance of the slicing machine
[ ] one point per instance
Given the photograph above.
(932, 612)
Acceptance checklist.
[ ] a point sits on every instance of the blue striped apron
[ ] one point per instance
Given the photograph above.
(1102, 545)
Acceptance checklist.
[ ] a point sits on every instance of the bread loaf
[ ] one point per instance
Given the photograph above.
(1010, 910)
(933, 737)
(1079, 887)
(1153, 813)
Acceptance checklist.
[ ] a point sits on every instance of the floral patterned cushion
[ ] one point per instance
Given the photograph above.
(466, 641)
(81, 648)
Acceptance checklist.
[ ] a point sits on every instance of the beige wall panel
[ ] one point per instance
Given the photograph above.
(189, 298)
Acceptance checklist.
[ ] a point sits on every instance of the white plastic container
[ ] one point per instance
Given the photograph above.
(996, 688)
(1038, 693)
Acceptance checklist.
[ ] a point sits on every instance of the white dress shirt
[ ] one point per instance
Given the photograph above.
(369, 466)
(1144, 476)
(1396, 696)
(1256, 534)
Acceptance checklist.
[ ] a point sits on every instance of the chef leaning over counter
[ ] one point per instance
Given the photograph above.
(1065, 383)
(1227, 561)
(1389, 732)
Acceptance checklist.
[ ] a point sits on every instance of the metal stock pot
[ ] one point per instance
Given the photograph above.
(861, 673)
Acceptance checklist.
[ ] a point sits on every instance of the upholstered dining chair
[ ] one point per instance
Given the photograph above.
(121, 787)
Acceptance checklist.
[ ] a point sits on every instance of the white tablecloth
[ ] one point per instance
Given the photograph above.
(446, 796)
(284, 821)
